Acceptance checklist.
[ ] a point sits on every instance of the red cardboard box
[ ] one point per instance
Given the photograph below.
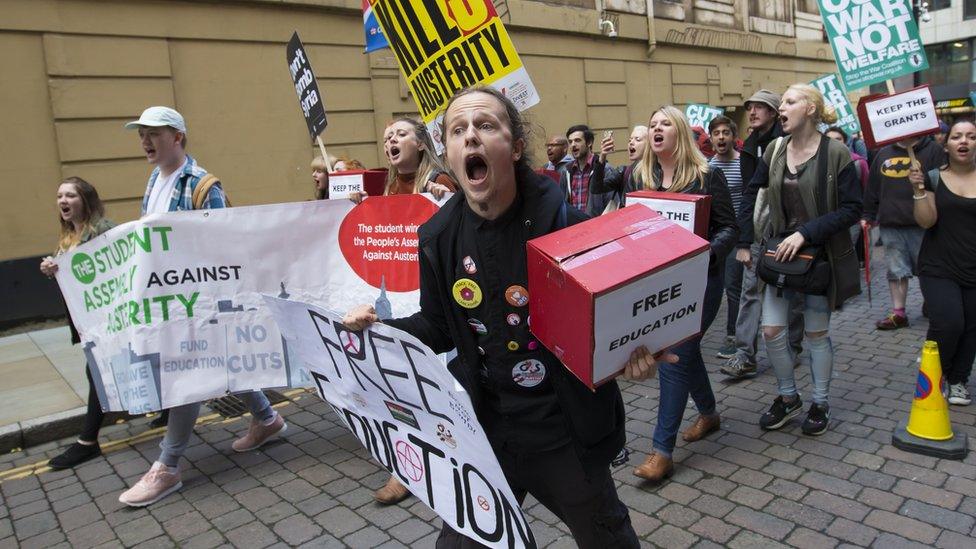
(687, 210)
(601, 288)
(345, 182)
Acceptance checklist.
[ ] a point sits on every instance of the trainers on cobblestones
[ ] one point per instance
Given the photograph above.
(959, 395)
(737, 368)
(780, 412)
(76, 454)
(394, 492)
(892, 322)
(156, 484)
(258, 433)
(818, 417)
(727, 350)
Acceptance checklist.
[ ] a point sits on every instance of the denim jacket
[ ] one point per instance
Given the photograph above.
(182, 198)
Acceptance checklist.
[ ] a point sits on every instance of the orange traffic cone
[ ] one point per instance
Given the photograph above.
(928, 430)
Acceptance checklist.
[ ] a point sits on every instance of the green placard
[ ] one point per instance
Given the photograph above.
(701, 115)
(873, 40)
(829, 86)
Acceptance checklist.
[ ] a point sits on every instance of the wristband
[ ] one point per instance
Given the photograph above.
(916, 197)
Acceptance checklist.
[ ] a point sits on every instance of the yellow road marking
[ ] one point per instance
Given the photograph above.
(41, 466)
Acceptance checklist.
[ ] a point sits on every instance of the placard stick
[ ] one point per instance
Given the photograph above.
(891, 87)
(911, 155)
(325, 156)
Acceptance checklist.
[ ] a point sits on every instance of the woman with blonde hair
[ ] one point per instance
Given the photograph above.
(672, 162)
(414, 164)
(813, 196)
(81, 216)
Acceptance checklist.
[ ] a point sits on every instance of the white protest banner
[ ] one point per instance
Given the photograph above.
(889, 118)
(829, 86)
(701, 115)
(170, 308)
(873, 40)
(410, 413)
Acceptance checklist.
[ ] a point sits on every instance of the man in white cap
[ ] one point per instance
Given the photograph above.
(162, 133)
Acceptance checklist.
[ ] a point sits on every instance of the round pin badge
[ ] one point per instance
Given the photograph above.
(477, 326)
(517, 296)
(528, 373)
(467, 293)
(513, 319)
(481, 351)
(468, 264)
(512, 346)
(533, 345)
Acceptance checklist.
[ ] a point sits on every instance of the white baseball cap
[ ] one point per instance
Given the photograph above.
(157, 117)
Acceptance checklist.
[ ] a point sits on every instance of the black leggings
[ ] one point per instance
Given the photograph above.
(95, 415)
(952, 324)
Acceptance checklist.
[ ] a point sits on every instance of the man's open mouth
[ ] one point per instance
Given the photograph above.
(475, 168)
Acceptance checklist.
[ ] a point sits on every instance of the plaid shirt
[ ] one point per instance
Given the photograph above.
(182, 198)
(579, 183)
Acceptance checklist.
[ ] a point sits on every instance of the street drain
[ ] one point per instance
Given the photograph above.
(231, 406)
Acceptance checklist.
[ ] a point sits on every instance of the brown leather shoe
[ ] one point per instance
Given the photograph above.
(655, 468)
(702, 427)
(394, 492)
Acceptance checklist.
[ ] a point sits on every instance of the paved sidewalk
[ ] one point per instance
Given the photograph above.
(41, 373)
(741, 487)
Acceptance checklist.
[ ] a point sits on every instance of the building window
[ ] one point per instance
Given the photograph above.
(969, 9)
(938, 4)
(776, 10)
(807, 6)
(949, 63)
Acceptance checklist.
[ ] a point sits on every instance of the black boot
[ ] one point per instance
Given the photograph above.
(76, 454)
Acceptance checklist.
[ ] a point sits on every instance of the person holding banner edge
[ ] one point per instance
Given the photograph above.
(174, 185)
(82, 217)
(945, 206)
(414, 164)
(814, 196)
(553, 437)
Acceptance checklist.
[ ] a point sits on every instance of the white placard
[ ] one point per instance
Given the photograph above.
(341, 184)
(902, 115)
(682, 212)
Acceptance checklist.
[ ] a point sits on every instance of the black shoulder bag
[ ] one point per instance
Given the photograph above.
(809, 271)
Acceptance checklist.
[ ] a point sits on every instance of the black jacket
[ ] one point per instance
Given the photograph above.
(595, 419)
(723, 230)
(749, 155)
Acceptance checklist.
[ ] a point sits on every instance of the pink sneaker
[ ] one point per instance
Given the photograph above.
(259, 433)
(156, 484)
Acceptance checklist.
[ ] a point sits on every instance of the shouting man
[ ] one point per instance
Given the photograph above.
(553, 437)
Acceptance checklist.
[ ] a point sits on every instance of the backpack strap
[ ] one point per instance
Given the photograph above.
(562, 218)
(202, 190)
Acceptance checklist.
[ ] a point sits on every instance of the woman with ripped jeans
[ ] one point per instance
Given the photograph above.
(795, 170)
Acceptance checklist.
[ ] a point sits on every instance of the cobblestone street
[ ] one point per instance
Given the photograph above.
(741, 487)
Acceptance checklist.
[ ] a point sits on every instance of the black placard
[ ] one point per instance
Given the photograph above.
(309, 98)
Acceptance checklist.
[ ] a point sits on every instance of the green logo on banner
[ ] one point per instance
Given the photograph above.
(873, 40)
(83, 268)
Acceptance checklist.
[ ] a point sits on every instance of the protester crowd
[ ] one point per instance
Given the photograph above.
(783, 190)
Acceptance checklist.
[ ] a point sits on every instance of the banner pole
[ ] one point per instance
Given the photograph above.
(891, 87)
(866, 231)
(325, 156)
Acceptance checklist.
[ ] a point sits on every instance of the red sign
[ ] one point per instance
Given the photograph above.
(378, 238)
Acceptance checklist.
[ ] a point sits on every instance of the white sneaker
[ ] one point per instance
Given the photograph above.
(156, 484)
(958, 395)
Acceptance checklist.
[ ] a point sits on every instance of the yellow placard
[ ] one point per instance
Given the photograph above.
(446, 45)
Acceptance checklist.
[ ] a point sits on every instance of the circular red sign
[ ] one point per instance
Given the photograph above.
(378, 239)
